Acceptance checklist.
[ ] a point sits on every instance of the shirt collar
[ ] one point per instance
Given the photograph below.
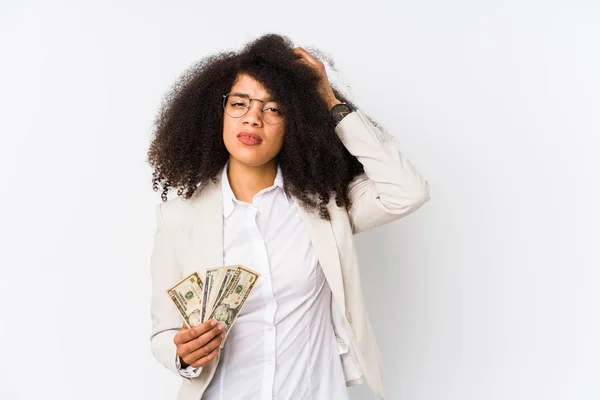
(229, 197)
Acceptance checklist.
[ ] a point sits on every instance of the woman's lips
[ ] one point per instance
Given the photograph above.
(249, 139)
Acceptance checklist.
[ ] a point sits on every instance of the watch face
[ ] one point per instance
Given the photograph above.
(339, 111)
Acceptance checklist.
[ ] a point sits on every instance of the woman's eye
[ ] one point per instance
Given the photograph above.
(271, 109)
(238, 105)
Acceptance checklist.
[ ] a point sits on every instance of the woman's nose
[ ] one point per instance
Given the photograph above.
(254, 115)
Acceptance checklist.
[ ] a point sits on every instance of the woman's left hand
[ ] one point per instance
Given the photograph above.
(324, 87)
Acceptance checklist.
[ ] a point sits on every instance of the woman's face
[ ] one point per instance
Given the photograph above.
(221, 313)
(248, 139)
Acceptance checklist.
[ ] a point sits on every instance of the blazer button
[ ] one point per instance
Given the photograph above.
(348, 316)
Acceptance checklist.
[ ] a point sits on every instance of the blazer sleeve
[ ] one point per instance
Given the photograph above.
(390, 187)
(165, 272)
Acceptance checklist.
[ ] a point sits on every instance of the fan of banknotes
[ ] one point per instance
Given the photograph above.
(220, 296)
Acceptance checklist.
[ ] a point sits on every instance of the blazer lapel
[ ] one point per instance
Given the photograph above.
(323, 241)
(206, 236)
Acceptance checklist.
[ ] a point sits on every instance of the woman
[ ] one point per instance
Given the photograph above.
(275, 170)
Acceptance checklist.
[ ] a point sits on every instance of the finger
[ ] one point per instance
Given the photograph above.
(303, 53)
(306, 56)
(313, 63)
(200, 341)
(204, 350)
(205, 360)
(203, 340)
(190, 334)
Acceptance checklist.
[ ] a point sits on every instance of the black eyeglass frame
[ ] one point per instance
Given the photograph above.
(249, 106)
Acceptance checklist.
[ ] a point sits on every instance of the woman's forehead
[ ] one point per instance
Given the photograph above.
(250, 86)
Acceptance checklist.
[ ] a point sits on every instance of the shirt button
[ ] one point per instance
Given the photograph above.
(348, 316)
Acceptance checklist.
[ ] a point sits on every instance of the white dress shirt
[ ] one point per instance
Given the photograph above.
(282, 345)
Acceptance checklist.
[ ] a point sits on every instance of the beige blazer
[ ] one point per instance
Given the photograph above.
(189, 237)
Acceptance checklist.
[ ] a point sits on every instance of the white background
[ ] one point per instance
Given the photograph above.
(489, 292)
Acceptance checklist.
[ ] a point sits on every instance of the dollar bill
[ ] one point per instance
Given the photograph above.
(210, 282)
(187, 297)
(225, 274)
(227, 306)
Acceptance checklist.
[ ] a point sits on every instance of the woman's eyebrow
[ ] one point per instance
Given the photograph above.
(268, 97)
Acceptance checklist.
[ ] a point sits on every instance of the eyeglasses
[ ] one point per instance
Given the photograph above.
(236, 105)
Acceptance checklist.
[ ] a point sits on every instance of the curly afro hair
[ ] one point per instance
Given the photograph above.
(187, 147)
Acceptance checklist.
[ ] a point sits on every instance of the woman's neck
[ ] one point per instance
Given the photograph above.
(246, 181)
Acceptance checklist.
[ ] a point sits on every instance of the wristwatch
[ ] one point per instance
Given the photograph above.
(339, 111)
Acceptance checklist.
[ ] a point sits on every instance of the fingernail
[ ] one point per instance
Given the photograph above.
(213, 322)
(222, 334)
(221, 327)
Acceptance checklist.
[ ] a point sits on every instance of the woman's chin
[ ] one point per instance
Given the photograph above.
(250, 160)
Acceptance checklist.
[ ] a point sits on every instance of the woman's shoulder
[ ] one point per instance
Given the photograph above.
(176, 211)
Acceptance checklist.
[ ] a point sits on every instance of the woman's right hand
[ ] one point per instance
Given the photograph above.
(199, 345)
